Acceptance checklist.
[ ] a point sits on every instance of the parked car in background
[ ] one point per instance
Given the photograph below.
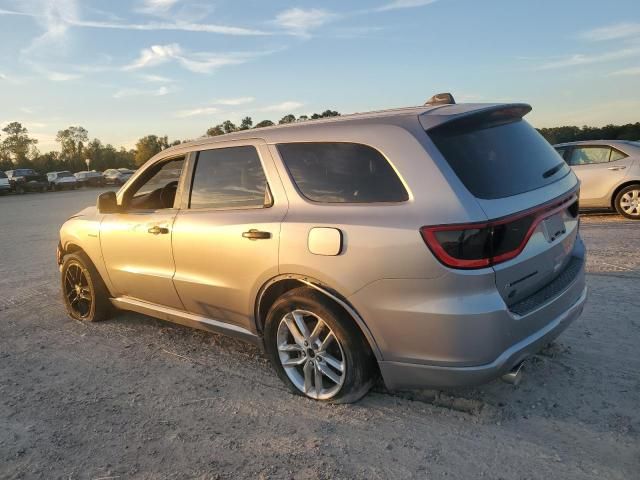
(609, 173)
(4, 184)
(27, 180)
(90, 179)
(117, 176)
(63, 180)
(436, 245)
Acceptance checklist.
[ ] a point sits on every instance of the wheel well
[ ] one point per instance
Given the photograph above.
(272, 292)
(72, 248)
(269, 297)
(620, 187)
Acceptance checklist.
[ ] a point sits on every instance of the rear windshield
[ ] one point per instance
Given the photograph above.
(331, 172)
(499, 160)
(23, 171)
(64, 174)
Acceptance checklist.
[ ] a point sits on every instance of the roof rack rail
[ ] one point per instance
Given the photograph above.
(441, 99)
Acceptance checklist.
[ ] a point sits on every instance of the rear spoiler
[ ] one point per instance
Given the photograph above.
(461, 115)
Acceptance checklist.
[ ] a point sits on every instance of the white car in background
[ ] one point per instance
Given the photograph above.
(62, 180)
(609, 174)
(117, 176)
(4, 184)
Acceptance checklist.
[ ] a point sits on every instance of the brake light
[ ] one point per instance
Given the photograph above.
(479, 245)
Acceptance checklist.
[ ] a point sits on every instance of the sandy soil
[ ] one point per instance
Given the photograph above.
(138, 398)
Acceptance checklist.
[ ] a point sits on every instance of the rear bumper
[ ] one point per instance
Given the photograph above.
(456, 330)
(398, 375)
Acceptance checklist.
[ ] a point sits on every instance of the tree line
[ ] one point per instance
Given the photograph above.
(629, 131)
(19, 150)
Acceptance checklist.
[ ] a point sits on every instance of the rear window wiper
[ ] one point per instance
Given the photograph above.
(553, 171)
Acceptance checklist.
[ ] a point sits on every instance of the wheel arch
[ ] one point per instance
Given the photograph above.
(278, 286)
(617, 190)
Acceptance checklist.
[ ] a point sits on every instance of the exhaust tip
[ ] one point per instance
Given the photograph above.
(514, 376)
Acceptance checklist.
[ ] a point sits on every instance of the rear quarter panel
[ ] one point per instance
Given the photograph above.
(380, 240)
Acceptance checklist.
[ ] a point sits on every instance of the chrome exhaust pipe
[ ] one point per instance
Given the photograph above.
(514, 376)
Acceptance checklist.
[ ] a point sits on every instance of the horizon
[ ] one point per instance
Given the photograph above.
(178, 67)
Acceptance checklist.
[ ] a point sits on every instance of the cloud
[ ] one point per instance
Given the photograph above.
(157, 7)
(210, 110)
(234, 101)
(197, 112)
(155, 79)
(301, 22)
(582, 59)
(135, 92)
(56, 16)
(612, 32)
(288, 106)
(626, 72)
(175, 26)
(198, 62)
(400, 4)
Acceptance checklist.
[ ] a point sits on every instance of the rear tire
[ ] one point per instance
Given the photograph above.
(84, 294)
(627, 202)
(327, 358)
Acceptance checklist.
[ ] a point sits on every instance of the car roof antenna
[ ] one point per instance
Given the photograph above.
(440, 99)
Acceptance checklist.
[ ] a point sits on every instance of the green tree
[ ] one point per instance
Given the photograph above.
(246, 123)
(326, 113)
(72, 141)
(17, 144)
(148, 146)
(48, 162)
(228, 126)
(264, 123)
(215, 131)
(287, 119)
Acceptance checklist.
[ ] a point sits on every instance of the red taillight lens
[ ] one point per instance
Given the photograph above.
(478, 245)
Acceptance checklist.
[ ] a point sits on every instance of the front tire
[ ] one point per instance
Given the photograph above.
(627, 202)
(84, 294)
(316, 349)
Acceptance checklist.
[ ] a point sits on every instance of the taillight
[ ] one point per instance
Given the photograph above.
(479, 245)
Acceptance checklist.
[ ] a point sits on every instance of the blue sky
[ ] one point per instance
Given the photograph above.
(124, 69)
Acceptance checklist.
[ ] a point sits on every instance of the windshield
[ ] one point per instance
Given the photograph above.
(23, 171)
(125, 170)
(64, 174)
(496, 160)
(2, 175)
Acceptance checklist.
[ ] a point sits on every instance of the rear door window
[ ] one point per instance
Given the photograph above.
(616, 155)
(330, 172)
(589, 155)
(228, 178)
(498, 159)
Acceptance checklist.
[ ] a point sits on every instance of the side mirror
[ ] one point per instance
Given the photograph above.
(107, 202)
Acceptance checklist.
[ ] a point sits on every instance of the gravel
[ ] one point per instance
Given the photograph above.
(134, 397)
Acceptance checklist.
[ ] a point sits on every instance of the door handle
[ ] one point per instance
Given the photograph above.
(622, 167)
(254, 234)
(158, 230)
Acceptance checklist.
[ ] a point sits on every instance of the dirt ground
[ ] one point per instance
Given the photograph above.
(138, 398)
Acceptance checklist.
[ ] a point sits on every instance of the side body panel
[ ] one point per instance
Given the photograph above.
(379, 240)
(599, 180)
(140, 264)
(218, 270)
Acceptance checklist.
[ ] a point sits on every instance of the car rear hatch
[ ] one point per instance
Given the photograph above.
(528, 193)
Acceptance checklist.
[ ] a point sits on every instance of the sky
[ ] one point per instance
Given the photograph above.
(125, 69)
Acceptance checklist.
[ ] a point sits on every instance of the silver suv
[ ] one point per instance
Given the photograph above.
(609, 174)
(434, 246)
